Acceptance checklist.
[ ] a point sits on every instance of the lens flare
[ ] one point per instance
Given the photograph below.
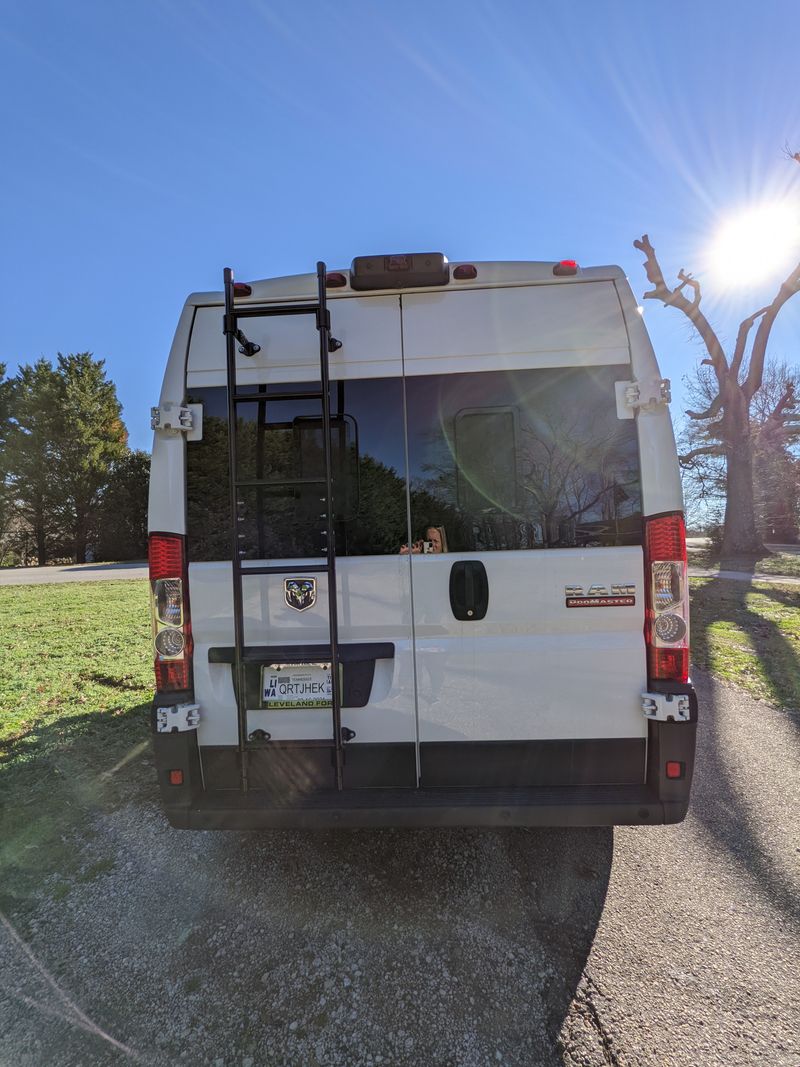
(756, 245)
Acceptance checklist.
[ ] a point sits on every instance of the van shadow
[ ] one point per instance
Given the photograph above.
(467, 943)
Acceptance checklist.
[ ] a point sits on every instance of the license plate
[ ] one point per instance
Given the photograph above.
(286, 686)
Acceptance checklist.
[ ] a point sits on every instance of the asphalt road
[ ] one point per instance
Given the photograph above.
(635, 946)
(79, 572)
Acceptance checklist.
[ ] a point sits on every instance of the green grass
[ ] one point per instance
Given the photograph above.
(749, 635)
(75, 691)
(783, 563)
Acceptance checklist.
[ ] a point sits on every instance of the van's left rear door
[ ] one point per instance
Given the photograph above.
(279, 439)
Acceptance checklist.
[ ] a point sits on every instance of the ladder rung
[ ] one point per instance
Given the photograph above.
(266, 483)
(254, 311)
(245, 398)
(305, 569)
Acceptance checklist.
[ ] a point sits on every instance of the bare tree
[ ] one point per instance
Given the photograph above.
(737, 382)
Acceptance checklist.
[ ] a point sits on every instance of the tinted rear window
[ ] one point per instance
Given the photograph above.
(498, 460)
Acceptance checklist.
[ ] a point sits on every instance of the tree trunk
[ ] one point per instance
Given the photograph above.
(80, 540)
(41, 540)
(740, 537)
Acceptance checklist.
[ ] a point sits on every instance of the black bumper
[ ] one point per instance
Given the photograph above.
(197, 804)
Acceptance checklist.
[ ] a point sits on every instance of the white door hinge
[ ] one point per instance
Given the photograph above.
(666, 707)
(646, 395)
(175, 419)
(177, 718)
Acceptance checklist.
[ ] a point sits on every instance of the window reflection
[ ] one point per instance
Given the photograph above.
(523, 459)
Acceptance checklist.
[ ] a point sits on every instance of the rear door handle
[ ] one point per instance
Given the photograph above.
(469, 590)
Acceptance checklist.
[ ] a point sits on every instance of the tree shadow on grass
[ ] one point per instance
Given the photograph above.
(726, 601)
(53, 778)
(721, 788)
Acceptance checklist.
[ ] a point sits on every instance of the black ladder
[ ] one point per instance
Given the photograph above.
(233, 336)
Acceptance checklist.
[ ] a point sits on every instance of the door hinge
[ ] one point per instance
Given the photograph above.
(666, 707)
(175, 419)
(177, 718)
(646, 395)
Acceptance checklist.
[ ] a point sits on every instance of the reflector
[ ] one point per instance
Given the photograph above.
(176, 777)
(674, 769)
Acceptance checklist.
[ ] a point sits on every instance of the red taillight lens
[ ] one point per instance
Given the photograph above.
(667, 598)
(465, 272)
(169, 598)
(335, 280)
(242, 289)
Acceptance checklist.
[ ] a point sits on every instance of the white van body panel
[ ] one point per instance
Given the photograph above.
(524, 326)
(167, 494)
(374, 605)
(661, 480)
(368, 327)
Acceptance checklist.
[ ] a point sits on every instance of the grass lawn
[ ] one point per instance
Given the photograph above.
(75, 690)
(785, 563)
(749, 635)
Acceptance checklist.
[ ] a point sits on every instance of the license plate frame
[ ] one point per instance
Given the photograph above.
(276, 678)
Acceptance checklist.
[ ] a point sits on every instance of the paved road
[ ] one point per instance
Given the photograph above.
(81, 572)
(448, 948)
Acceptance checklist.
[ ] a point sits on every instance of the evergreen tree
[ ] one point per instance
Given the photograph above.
(122, 517)
(90, 437)
(30, 452)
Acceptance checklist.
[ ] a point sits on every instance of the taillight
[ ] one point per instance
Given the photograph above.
(667, 598)
(169, 603)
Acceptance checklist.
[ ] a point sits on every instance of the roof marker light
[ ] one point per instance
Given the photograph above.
(242, 289)
(565, 268)
(465, 272)
(335, 280)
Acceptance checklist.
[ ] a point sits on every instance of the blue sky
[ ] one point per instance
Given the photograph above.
(149, 145)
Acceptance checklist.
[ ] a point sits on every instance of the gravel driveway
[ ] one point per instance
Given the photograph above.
(648, 946)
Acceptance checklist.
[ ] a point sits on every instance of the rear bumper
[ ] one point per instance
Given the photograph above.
(658, 800)
(597, 806)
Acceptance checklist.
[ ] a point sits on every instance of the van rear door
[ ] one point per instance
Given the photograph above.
(279, 439)
(529, 645)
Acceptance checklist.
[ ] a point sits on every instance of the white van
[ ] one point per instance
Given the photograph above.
(417, 553)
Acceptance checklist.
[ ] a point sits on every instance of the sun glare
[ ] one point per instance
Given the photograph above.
(756, 245)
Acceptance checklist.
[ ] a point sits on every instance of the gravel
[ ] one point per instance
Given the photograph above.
(438, 947)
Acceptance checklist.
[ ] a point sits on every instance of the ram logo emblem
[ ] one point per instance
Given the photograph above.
(300, 593)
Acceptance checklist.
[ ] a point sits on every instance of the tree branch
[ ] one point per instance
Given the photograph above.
(710, 412)
(755, 373)
(706, 450)
(690, 308)
(741, 340)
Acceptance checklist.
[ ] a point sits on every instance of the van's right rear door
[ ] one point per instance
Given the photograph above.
(528, 628)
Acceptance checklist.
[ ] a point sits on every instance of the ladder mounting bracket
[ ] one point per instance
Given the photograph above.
(646, 395)
(175, 419)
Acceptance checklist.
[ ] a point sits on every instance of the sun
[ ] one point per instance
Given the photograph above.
(755, 245)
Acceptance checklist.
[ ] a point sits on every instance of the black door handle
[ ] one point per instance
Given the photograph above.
(469, 590)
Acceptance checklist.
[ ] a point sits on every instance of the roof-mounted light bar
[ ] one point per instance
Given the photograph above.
(407, 271)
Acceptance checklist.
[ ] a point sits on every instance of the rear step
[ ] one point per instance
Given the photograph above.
(233, 337)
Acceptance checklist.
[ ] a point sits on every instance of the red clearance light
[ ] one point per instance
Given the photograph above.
(335, 280)
(465, 272)
(176, 777)
(674, 769)
(242, 289)
(565, 268)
